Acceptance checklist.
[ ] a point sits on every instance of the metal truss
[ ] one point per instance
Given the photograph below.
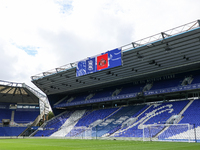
(148, 42)
(22, 85)
(12, 84)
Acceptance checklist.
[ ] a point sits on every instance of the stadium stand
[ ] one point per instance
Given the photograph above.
(158, 113)
(19, 108)
(29, 117)
(126, 121)
(157, 84)
(171, 82)
(53, 125)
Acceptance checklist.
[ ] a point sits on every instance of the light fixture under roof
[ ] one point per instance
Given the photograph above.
(109, 72)
(152, 62)
(167, 47)
(139, 55)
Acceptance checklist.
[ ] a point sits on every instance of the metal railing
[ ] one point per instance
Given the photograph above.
(13, 84)
(143, 42)
(22, 85)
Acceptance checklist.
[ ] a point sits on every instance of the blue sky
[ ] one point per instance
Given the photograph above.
(39, 35)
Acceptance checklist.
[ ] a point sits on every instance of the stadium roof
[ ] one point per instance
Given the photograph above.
(172, 51)
(11, 92)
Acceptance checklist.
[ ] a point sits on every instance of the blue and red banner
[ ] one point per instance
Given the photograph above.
(104, 61)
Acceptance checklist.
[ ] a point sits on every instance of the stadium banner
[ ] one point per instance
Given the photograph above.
(90, 65)
(131, 95)
(81, 68)
(104, 61)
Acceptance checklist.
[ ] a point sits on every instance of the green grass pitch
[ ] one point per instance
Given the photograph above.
(69, 144)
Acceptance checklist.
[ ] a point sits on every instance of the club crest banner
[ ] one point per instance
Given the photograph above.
(104, 61)
(90, 65)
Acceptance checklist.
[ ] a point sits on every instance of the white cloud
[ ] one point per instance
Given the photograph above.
(64, 31)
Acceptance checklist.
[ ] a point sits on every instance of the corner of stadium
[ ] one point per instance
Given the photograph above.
(21, 107)
(147, 90)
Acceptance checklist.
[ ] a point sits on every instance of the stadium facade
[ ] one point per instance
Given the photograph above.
(21, 107)
(117, 93)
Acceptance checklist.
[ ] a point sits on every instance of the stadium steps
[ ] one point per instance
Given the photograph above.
(124, 117)
(128, 127)
(112, 113)
(36, 121)
(108, 113)
(181, 113)
(69, 124)
(186, 107)
(162, 131)
(144, 111)
(60, 100)
(46, 123)
(113, 131)
(12, 116)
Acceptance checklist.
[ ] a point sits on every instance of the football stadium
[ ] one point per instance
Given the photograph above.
(141, 95)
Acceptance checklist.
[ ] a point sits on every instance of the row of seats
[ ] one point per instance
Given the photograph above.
(156, 114)
(190, 116)
(160, 83)
(6, 114)
(54, 124)
(90, 118)
(11, 131)
(114, 123)
(129, 121)
(25, 116)
(19, 116)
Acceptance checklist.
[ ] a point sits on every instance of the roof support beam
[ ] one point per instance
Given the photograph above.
(47, 73)
(14, 91)
(72, 65)
(135, 44)
(164, 35)
(21, 94)
(60, 69)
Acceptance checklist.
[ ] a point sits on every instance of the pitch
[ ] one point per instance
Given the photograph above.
(69, 144)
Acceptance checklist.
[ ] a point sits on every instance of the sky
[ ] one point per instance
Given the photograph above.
(40, 35)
